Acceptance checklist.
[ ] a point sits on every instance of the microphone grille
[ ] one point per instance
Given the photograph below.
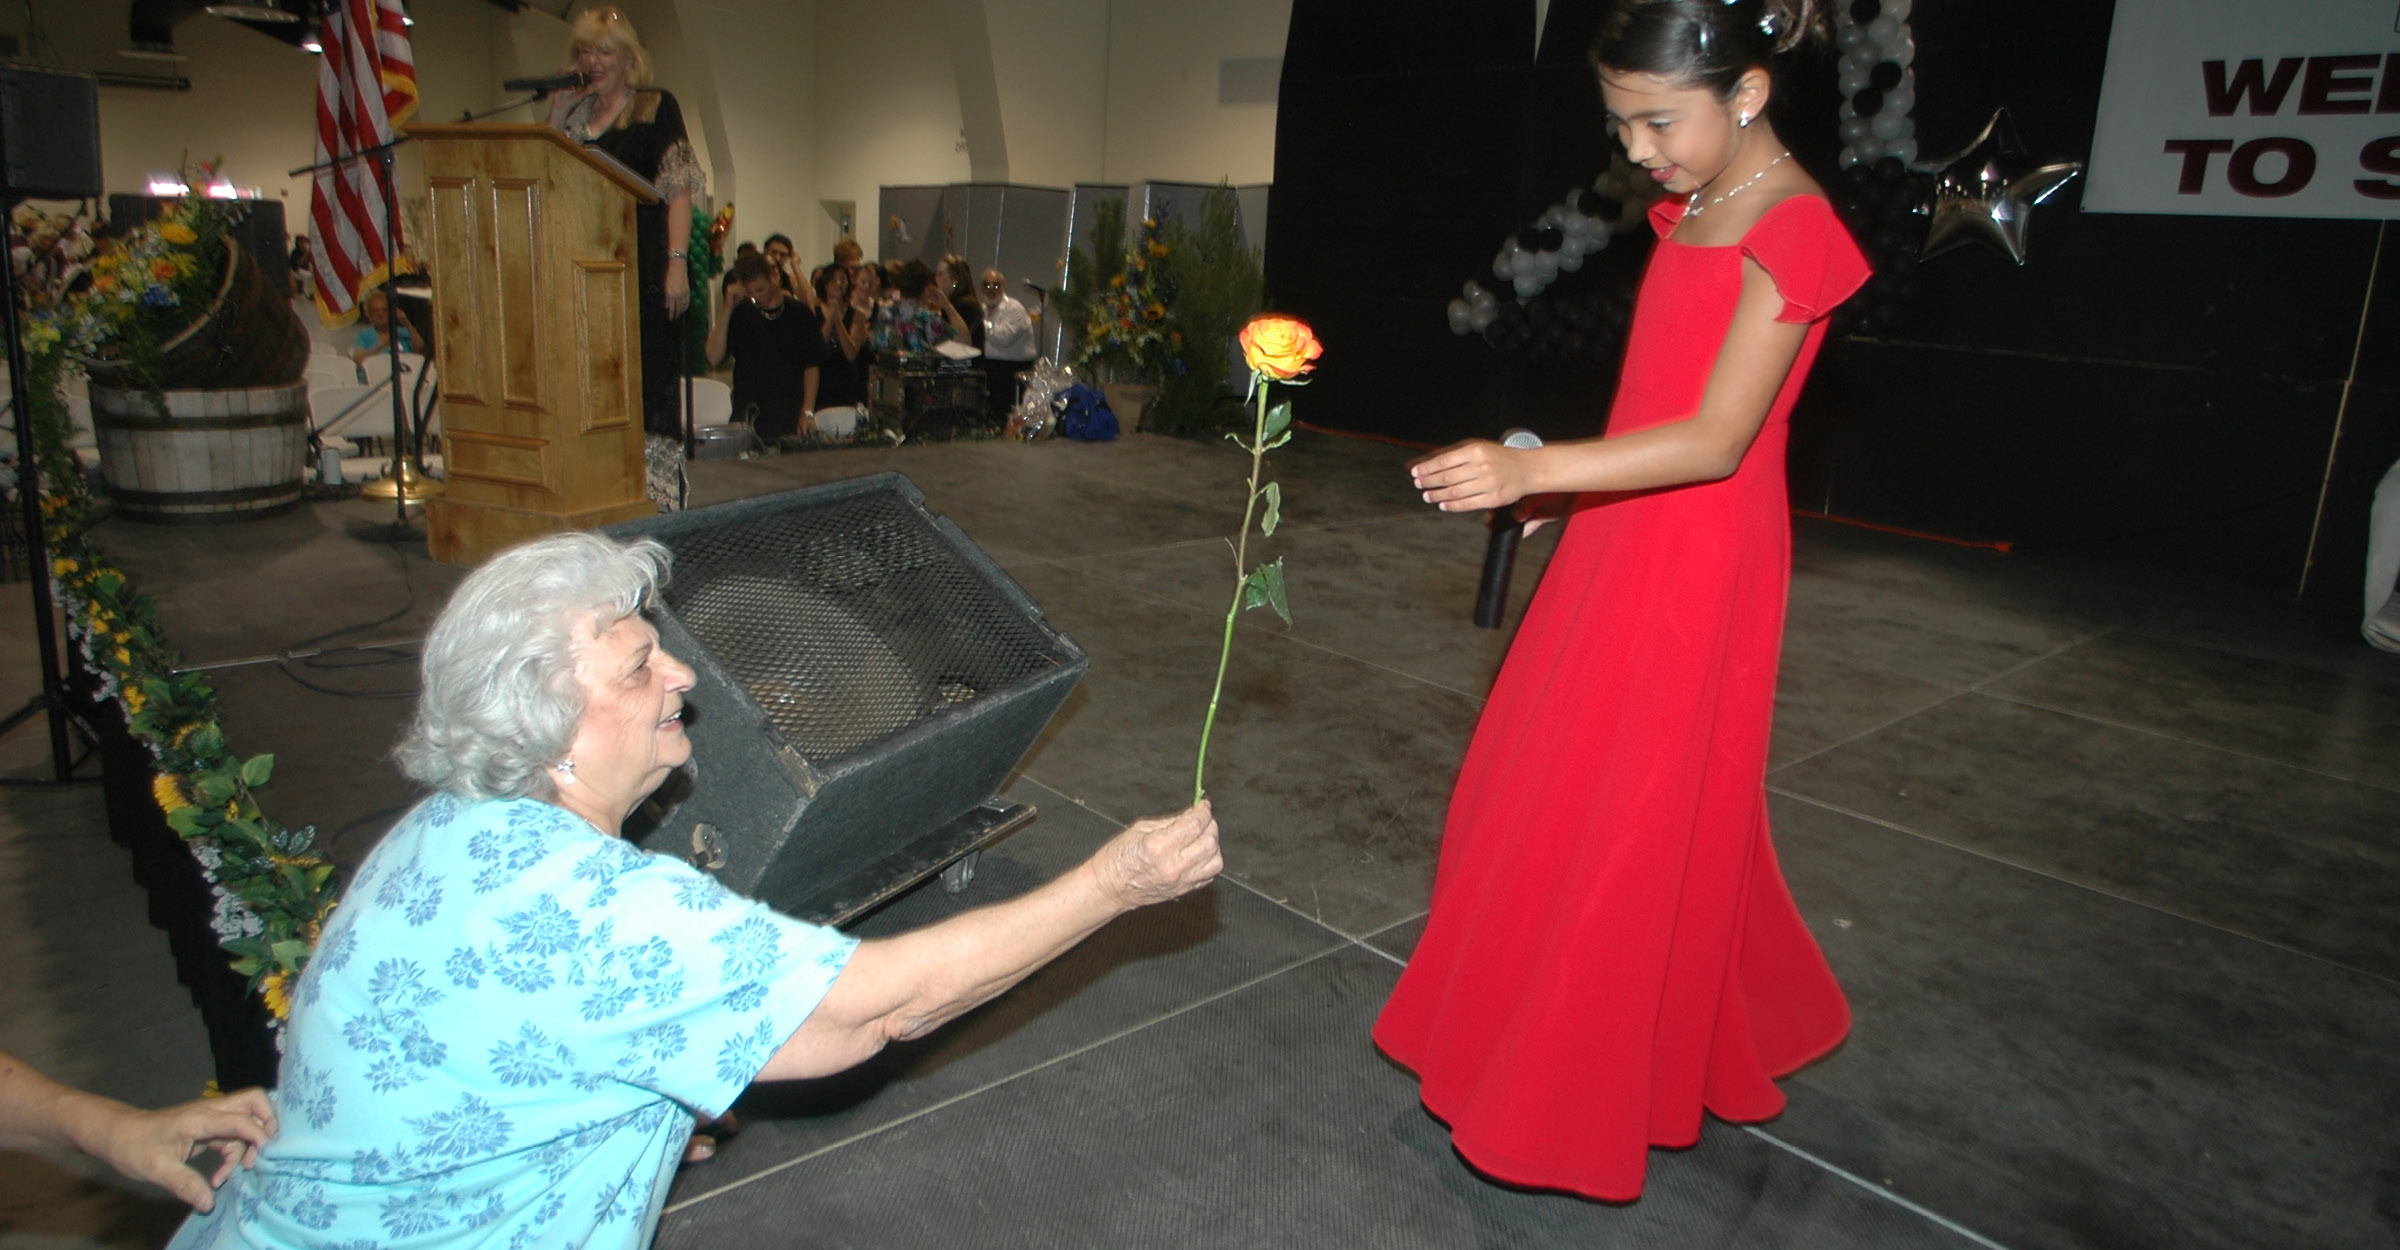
(1521, 439)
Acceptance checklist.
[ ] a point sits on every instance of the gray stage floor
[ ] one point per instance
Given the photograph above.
(2107, 865)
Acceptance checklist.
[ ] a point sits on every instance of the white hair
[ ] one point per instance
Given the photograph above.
(499, 703)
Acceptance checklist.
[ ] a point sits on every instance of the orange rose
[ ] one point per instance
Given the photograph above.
(163, 270)
(1280, 347)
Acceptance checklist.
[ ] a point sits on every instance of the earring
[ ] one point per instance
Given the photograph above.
(1745, 121)
(566, 772)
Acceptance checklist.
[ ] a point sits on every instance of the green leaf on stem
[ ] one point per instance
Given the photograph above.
(1279, 419)
(257, 769)
(1273, 516)
(1264, 587)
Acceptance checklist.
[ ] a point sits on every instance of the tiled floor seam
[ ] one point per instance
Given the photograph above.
(998, 1082)
(1969, 688)
(2220, 748)
(1879, 1191)
(2086, 886)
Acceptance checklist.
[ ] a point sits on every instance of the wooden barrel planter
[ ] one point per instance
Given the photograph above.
(202, 455)
(247, 337)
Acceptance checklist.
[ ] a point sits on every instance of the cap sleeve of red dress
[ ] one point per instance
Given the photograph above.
(1810, 256)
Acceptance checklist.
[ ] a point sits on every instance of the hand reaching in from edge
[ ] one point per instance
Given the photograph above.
(153, 1145)
(1161, 858)
(1474, 476)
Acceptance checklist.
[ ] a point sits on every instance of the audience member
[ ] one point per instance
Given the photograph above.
(842, 377)
(847, 254)
(785, 268)
(921, 317)
(376, 314)
(958, 280)
(37, 1113)
(776, 344)
(1009, 343)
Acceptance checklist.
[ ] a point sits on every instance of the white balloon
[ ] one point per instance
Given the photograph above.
(1599, 241)
(1528, 286)
(1890, 125)
(1850, 156)
(1485, 314)
(1868, 150)
(1856, 128)
(1545, 265)
(1849, 36)
(1884, 30)
(1462, 318)
(1485, 303)
(1904, 148)
(1574, 246)
(1903, 53)
(1472, 290)
(1901, 99)
(1853, 82)
(1897, 10)
(1569, 262)
(1554, 215)
(1504, 265)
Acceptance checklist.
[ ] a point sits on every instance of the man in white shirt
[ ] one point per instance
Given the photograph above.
(1009, 344)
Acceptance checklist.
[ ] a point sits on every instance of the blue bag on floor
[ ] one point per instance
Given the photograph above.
(1083, 414)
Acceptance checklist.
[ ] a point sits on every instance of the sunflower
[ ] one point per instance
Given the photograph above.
(165, 790)
(276, 989)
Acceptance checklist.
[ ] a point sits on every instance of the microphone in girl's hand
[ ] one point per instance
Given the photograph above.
(1500, 552)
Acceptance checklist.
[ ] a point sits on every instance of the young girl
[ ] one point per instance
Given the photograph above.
(1612, 947)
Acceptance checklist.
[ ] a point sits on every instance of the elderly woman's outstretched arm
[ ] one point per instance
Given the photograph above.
(895, 989)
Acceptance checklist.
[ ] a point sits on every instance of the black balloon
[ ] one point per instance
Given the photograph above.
(1611, 208)
(1589, 203)
(1865, 11)
(1553, 238)
(1867, 103)
(1885, 76)
(1530, 239)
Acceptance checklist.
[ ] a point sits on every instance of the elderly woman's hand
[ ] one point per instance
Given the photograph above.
(1160, 858)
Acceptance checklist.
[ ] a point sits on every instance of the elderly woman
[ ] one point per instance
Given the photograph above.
(514, 1016)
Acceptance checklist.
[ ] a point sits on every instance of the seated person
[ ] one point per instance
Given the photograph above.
(1009, 343)
(511, 1020)
(375, 317)
(919, 318)
(776, 344)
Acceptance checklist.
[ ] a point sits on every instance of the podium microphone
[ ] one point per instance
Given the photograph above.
(1500, 553)
(544, 86)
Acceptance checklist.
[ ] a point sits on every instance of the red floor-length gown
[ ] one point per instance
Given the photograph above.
(1612, 947)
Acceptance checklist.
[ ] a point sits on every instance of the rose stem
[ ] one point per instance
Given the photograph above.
(1241, 583)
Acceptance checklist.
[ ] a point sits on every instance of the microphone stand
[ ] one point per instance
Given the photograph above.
(407, 487)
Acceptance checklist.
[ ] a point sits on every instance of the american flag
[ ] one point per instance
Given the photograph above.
(366, 87)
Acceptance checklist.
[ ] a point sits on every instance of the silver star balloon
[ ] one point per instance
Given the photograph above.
(1987, 192)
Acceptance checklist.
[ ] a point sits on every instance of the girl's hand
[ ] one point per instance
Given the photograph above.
(1474, 476)
(1536, 511)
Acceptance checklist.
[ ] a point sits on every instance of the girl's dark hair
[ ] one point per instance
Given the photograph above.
(1703, 43)
(912, 278)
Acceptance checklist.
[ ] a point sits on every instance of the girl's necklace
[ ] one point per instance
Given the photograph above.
(1693, 208)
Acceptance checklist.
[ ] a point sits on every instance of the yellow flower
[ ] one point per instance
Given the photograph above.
(134, 700)
(1116, 280)
(124, 657)
(62, 566)
(1279, 347)
(1157, 248)
(276, 989)
(165, 790)
(177, 233)
(211, 1090)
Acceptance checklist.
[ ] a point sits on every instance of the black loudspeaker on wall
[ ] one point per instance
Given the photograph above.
(867, 679)
(50, 133)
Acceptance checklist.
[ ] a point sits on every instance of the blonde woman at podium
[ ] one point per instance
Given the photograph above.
(619, 113)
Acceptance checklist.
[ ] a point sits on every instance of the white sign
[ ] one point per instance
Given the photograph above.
(2250, 108)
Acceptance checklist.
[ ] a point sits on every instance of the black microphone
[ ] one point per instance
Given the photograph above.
(1500, 552)
(544, 86)
(1038, 289)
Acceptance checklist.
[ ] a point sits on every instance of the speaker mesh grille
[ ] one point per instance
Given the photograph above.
(848, 621)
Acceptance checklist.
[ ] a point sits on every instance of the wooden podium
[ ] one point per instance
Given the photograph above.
(537, 325)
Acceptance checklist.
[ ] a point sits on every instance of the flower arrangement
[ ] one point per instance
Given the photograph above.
(1217, 286)
(1120, 300)
(1277, 349)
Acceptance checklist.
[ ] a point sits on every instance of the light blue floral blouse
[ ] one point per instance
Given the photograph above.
(504, 1035)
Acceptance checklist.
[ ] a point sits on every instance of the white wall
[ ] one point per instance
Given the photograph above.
(762, 55)
(886, 109)
(1164, 121)
(1051, 57)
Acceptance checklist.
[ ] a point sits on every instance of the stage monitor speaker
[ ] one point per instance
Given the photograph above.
(867, 679)
(49, 133)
